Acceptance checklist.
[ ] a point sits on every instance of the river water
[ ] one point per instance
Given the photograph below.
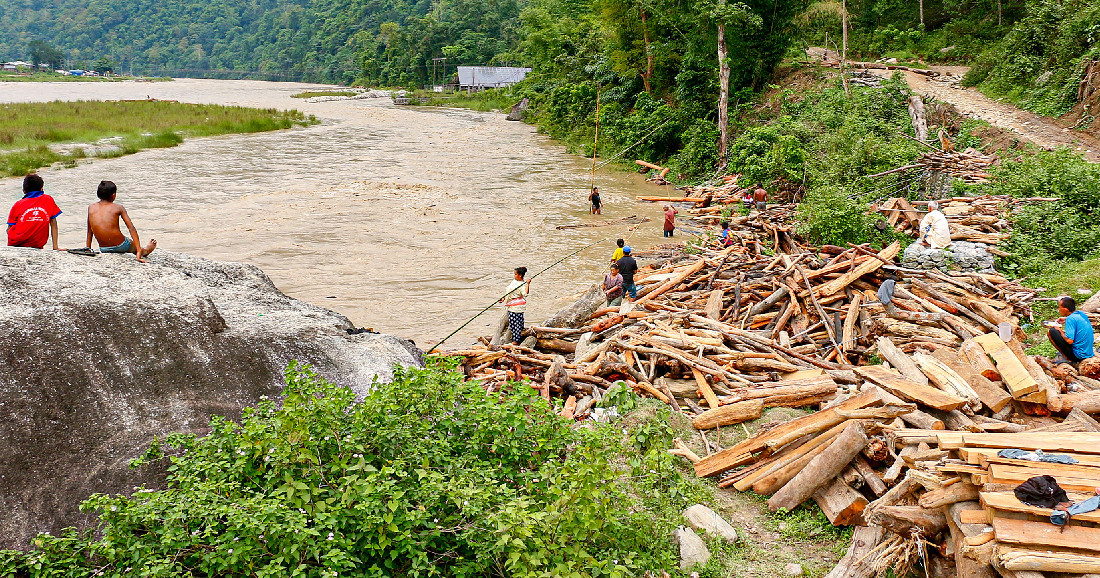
(408, 220)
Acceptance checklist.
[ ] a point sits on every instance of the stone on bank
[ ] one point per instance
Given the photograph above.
(101, 354)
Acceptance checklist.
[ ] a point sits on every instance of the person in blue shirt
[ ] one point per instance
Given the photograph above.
(1075, 339)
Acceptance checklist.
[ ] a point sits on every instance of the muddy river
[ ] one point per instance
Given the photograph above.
(408, 220)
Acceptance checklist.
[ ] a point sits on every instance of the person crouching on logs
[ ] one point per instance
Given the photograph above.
(515, 300)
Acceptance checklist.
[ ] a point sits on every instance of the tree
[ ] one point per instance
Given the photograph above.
(42, 53)
(104, 66)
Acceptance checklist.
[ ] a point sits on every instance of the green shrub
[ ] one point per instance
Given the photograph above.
(764, 153)
(700, 153)
(1045, 232)
(427, 476)
(828, 217)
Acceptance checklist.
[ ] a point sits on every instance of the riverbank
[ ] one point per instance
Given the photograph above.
(35, 135)
(731, 337)
(404, 219)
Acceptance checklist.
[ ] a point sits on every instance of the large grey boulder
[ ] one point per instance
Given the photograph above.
(100, 354)
(692, 548)
(707, 520)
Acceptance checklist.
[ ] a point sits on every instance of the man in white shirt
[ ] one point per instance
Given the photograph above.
(934, 231)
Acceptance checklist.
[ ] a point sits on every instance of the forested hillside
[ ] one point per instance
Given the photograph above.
(315, 40)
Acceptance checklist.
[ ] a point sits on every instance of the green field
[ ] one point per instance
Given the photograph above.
(54, 77)
(34, 135)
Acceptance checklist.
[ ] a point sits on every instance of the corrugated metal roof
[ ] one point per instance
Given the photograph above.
(490, 76)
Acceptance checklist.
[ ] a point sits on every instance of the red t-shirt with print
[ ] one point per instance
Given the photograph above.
(29, 220)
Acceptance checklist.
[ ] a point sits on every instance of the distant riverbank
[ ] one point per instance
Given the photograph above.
(40, 134)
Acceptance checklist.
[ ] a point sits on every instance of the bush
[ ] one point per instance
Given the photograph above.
(699, 156)
(428, 476)
(828, 217)
(1048, 231)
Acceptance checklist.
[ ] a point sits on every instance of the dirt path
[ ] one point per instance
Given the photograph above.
(1038, 130)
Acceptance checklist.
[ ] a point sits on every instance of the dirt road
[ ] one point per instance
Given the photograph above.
(1041, 131)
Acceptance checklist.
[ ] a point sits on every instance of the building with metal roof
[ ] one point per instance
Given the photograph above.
(482, 77)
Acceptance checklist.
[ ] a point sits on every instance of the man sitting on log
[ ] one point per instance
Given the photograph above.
(934, 231)
(1074, 341)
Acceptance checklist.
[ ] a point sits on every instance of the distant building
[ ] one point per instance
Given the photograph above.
(16, 65)
(474, 78)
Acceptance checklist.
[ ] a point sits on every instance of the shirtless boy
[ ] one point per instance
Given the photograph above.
(103, 219)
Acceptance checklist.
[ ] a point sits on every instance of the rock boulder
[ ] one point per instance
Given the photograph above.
(102, 353)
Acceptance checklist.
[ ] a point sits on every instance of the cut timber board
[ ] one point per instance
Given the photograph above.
(1010, 531)
(1013, 373)
(1067, 477)
(1008, 502)
(1023, 559)
(1077, 442)
(981, 456)
(910, 390)
(746, 451)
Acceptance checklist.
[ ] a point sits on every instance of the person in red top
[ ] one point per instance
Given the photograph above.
(670, 220)
(33, 219)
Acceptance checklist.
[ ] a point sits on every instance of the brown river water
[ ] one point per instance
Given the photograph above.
(408, 220)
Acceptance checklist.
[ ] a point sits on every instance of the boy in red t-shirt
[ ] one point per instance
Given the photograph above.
(33, 218)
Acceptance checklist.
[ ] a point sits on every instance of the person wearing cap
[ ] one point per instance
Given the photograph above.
(627, 268)
(934, 231)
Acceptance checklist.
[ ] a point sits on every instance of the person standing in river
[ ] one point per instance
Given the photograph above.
(670, 220)
(595, 199)
(33, 219)
(103, 217)
(515, 301)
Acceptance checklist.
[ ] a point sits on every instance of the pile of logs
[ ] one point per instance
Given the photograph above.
(969, 166)
(900, 390)
(976, 219)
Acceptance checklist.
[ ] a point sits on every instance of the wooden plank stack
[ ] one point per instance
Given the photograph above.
(724, 333)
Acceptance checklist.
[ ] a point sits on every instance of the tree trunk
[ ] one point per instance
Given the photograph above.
(844, 45)
(648, 55)
(821, 469)
(723, 96)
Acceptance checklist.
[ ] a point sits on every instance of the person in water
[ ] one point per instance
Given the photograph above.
(618, 254)
(515, 301)
(596, 202)
(33, 219)
(103, 217)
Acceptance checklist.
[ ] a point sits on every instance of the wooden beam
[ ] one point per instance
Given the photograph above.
(908, 390)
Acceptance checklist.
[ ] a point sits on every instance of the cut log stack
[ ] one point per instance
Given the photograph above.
(903, 393)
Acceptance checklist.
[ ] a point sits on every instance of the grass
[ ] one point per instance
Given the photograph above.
(54, 77)
(313, 93)
(31, 133)
(1060, 278)
(494, 99)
